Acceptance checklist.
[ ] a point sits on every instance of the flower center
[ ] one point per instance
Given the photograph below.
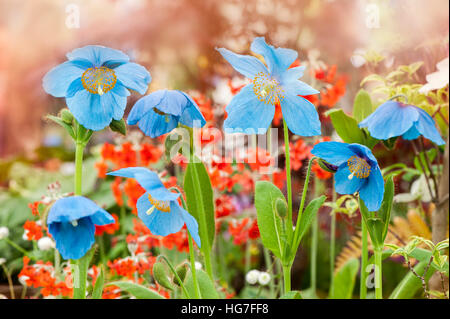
(267, 89)
(160, 205)
(98, 80)
(358, 167)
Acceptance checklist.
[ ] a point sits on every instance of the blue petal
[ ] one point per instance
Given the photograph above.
(246, 114)
(73, 242)
(114, 102)
(363, 152)
(292, 74)
(343, 184)
(390, 119)
(74, 87)
(190, 221)
(102, 217)
(300, 115)
(154, 124)
(427, 127)
(296, 87)
(247, 65)
(144, 105)
(278, 60)
(373, 191)
(57, 80)
(98, 55)
(412, 133)
(87, 109)
(160, 223)
(192, 116)
(148, 180)
(335, 153)
(133, 76)
(72, 208)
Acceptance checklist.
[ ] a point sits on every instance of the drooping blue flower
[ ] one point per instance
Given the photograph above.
(94, 82)
(253, 108)
(160, 112)
(71, 221)
(393, 119)
(158, 207)
(357, 171)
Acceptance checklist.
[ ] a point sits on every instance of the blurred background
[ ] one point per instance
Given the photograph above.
(175, 40)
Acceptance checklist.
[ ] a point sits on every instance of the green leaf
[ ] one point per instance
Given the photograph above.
(199, 197)
(346, 127)
(269, 223)
(362, 106)
(386, 207)
(160, 275)
(344, 280)
(140, 292)
(306, 220)
(66, 126)
(421, 159)
(293, 294)
(205, 284)
(98, 288)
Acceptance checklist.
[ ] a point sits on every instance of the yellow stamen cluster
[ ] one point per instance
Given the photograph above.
(358, 167)
(160, 205)
(267, 90)
(98, 80)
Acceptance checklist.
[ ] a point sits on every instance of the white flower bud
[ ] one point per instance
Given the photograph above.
(4, 232)
(263, 278)
(252, 276)
(24, 236)
(198, 265)
(46, 243)
(2, 261)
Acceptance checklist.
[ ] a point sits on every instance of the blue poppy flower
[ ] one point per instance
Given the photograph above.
(94, 82)
(253, 107)
(160, 112)
(158, 207)
(357, 171)
(71, 221)
(393, 119)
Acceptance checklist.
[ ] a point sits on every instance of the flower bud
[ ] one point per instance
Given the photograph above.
(160, 275)
(45, 243)
(181, 271)
(263, 278)
(118, 126)
(327, 166)
(281, 207)
(66, 116)
(4, 232)
(252, 276)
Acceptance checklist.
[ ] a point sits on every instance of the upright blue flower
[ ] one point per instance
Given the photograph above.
(160, 112)
(254, 106)
(393, 119)
(94, 82)
(357, 171)
(71, 221)
(158, 207)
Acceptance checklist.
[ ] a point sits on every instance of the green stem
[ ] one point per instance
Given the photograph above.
(287, 278)
(314, 242)
(272, 272)
(13, 244)
(191, 251)
(198, 294)
(175, 274)
(378, 274)
(332, 252)
(10, 282)
(364, 260)
(288, 175)
(78, 166)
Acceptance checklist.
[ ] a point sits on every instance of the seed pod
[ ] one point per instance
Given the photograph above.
(181, 272)
(160, 275)
(118, 126)
(66, 116)
(327, 166)
(281, 207)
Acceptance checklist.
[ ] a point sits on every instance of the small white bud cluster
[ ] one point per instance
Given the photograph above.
(4, 232)
(46, 243)
(255, 276)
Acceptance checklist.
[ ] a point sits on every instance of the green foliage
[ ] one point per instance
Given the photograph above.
(269, 223)
(138, 291)
(98, 288)
(344, 280)
(206, 285)
(199, 197)
(160, 275)
(118, 126)
(362, 106)
(293, 294)
(349, 208)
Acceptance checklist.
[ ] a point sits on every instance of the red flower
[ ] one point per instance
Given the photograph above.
(298, 152)
(33, 231)
(110, 228)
